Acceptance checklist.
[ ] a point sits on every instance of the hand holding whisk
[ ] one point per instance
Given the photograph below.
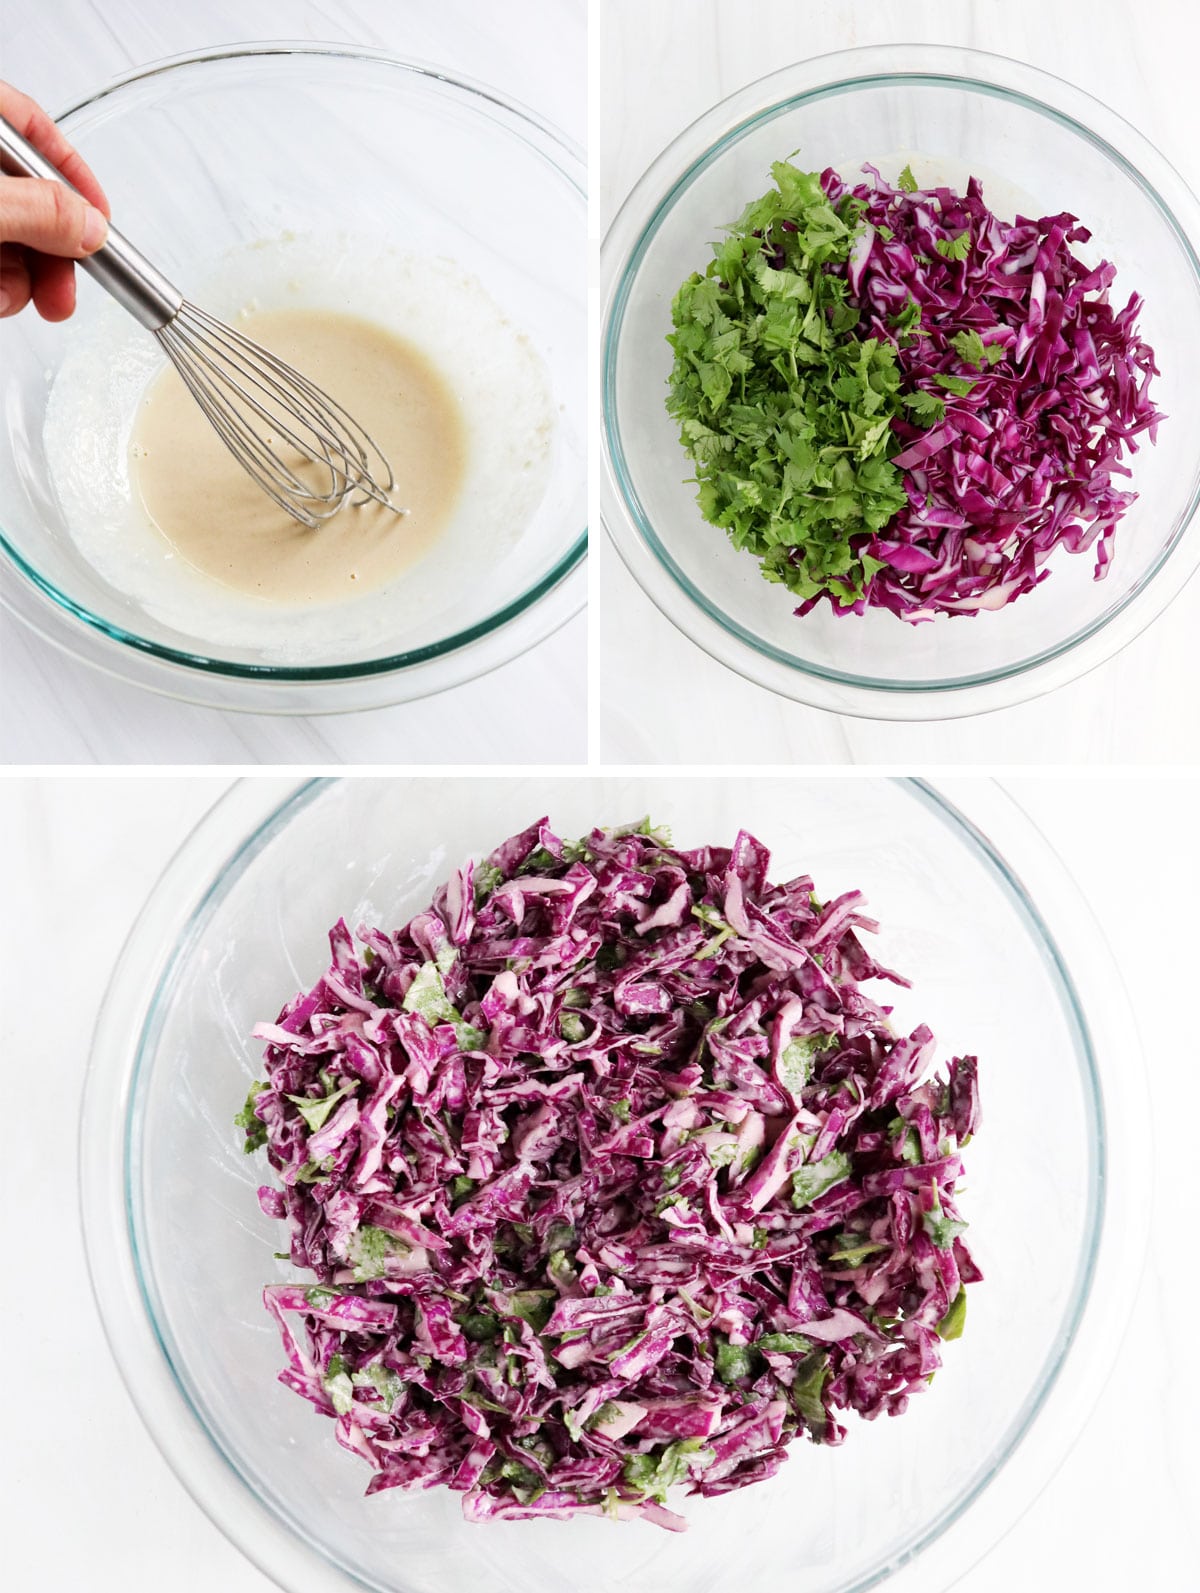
(304, 450)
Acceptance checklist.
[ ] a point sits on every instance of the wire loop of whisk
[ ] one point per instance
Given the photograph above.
(236, 382)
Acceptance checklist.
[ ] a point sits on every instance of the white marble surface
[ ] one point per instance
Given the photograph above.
(654, 70)
(88, 1506)
(55, 710)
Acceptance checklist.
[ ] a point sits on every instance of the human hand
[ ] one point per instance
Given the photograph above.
(44, 227)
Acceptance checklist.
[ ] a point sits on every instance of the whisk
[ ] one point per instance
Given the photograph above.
(272, 419)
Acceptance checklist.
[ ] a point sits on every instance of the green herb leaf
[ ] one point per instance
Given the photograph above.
(338, 1385)
(907, 181)
(427, 997)
(955, 248)
(387, 1384)
(735, 1361)
(814, 1178)
(486, 877)
(535, 1306)
(370, 1250)
(784, 410)
(849, 1254)
(316, 1113)
(969, 348)
(796, 1062)
(784, 1343)
(808, 1387)
(926, 408)
(941, 1229)
(480, 1329)
(255, 1129)
(960, 386)
(651, 1475)
(955, 1319)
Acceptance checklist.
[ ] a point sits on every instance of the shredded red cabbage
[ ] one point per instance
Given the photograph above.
(1024, 461)
(610, 1177)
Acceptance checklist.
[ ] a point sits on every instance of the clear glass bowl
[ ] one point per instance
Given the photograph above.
(1005, 961)
(1037, 142)
(224, 148)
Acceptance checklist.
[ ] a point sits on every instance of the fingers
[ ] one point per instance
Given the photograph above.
(31, 121)
(52, 282)
(15, 286)
(46, 216)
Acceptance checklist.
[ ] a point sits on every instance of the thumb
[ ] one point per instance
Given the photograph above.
(49, 217)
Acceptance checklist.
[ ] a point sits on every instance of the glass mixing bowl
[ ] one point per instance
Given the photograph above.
(214, 151)
(1036, 142)
(1005, 962)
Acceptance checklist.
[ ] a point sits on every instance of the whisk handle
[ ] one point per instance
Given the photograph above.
(119, 268)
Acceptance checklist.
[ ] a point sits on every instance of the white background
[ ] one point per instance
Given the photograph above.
(88, 1506)
(655, 68)
(54, 709)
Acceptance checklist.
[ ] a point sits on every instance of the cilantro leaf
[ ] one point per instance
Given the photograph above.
(955, 1319)
(735, 1361)
(316, 1113)
(427, 997)
(969, 348)
(927, 408)
(814, 1178)
(954, 248)
(654, 1473)
(784, 1343)
(960, 386)
(370, 1249)
(796, 1062)
(338, 1385)
(808, 1387)
(255, 1128)
(907, 181)
(941, 1229)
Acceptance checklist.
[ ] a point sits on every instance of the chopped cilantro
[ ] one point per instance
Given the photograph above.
(814, 1178)
(952, 1324)
(387, 1384)
(955, 248)
(316, 1113)
(338, 1385)
(255, 1128)
(653, 1474)
(784, 1343)
(942, 1230)
(370, 1250)
(796, 1061)
(487, 876)
(735, 1361)
(927, 409)
(969, 348)
(480, 1329)
(960, 386)
(807, 1389)
(427, 996)
(907, 181)
(784, 410)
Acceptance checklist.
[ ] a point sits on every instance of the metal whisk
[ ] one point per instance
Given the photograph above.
(258, 404)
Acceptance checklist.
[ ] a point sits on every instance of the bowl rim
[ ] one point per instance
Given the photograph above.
(1069, 1380)
(523, 122)
(633, 229)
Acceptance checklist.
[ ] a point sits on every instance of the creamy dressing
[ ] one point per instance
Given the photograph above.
(217, 518)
